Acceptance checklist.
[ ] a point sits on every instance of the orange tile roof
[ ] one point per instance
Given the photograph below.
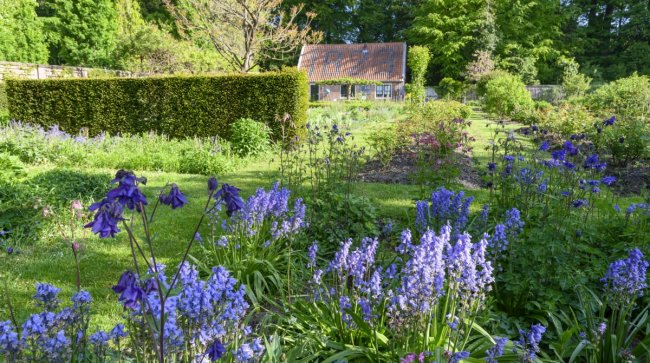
(371, 61)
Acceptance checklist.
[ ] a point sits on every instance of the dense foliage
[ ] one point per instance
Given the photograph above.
(506, 96)
(22, 37)
(176, 106)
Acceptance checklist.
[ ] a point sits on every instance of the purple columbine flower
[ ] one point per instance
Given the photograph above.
(127, 192)
(610, 121)
(212, 184)
(108, 215)
(215, 351)
(579, 203)
(130, 292)
(559, 155)
(608, 180)
(492, 166)
(175, 198)
(544, 146)
(592, 162)
(570, 148)
(230, 195)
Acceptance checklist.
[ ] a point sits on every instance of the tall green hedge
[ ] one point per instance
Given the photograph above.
(3, 98)
(176, 106)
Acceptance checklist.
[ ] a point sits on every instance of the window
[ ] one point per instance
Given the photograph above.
(347, 91)
(364, 89)
(383, 91)
(314, 92)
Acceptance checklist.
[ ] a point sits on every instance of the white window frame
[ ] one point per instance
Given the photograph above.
(383, 94)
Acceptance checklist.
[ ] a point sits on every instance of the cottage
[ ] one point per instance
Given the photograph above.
(372, 71)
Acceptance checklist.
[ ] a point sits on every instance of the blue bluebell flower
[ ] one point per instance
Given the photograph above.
(626, 278)
(496, 350)
(47, 296)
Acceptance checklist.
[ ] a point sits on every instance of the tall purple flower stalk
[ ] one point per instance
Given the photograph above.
(625, 279)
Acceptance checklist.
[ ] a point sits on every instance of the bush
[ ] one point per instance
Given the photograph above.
(450, 88)
(249, 137)
(566, 119)
(626, 98)
(629, 100)
(506, 96)
(340, 218)
(175, 106)
(384, 143)
(625, 141)
(432, 118)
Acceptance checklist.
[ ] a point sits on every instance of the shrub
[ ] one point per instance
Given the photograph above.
(249, 137)
(436, 118)
(481, 85)
(626, 98)
(384, 143)
(566, 119)
(574, 83)
(418, 60)
(175, 106)
(340, 218)
(450, 88)
(624, 141)
(506, 96)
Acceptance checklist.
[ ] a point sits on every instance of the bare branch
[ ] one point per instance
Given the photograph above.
(243, 32)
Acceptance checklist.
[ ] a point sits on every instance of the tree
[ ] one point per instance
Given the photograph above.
(529, 32)
(244, 32)
(574, 83)
(21, 32)
(418, 61)
(449, 28)
(86, 32)
(610, 39)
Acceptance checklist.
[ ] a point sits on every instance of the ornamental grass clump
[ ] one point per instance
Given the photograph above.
(254, 237)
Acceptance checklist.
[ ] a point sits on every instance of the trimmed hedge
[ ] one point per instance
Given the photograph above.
(3, 98)
(176, 106)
